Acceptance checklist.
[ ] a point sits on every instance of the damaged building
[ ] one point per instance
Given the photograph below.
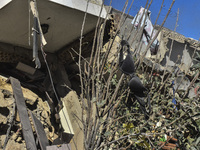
(39, 81)
(56, 25)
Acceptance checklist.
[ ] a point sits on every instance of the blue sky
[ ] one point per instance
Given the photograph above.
(189, 14)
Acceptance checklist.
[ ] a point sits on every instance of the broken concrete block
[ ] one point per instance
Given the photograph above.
(5, 102)
(25, 68)
(72, 104)
(2, 139)
(15, 146)
(65, 120)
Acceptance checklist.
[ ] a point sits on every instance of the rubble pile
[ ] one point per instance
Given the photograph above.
(34, 103)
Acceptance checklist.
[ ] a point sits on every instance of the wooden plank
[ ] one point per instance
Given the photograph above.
(40, 132)
(23, 114)
(59, 147)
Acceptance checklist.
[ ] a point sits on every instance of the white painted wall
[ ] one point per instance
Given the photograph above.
(94, 6)
(64, 22)
(4, 3)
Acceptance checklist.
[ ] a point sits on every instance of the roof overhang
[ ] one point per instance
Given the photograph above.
(64, 18)
(94, 7)
(4, 3)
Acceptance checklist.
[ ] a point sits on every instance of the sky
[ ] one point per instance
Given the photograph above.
(188, 20)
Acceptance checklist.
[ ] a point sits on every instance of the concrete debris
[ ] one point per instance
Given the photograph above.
(25, 68)
(29, 96)
(66, 123)
(16, 61)
(5, 101)
(15, 145)
(70, 116)
(182, 83)
(34, 103)
(72, 105)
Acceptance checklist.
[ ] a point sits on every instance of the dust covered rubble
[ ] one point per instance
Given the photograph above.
(34, 103)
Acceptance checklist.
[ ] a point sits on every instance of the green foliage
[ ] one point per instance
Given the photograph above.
(164, 119)
(117, 121)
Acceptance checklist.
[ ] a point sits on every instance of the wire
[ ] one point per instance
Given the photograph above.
(50, 76)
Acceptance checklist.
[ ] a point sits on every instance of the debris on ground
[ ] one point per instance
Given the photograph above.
(34, 103)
